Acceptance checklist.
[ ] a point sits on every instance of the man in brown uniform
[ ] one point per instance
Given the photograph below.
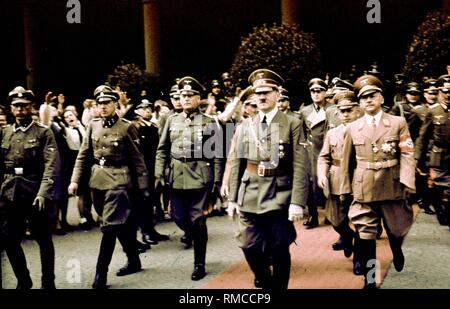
(110, 150)
(329, 176)
(269, 183)
(28, 169)
(378, 153)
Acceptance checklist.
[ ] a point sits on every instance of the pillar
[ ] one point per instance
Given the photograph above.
(152, 36)
(290, 11)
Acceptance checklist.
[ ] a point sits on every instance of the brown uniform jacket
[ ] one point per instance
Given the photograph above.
(366, 154)
(330, 157)
(259, 194)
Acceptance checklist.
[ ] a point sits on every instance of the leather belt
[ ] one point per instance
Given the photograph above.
(263, 171)
(111, 163)
(185, 159)
(18, 171)
(336, 162)
(377, 165)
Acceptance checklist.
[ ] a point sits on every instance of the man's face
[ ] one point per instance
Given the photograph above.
(430, 97)
(3, 121)
(106, 109)
(175, 100)
(444, 96)
(348, 115)
(413, 97)
(21, 110)
(318, 95)
(250, 110)
(267, 100)
(371, 103)
(70, 118)
(189, 101)
(145, 112)
(283, 104)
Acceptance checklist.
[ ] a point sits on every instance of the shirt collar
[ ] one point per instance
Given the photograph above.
(22, 128)
(377, 118)
(269, 116)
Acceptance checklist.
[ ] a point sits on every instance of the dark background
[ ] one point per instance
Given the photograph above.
(198, 38)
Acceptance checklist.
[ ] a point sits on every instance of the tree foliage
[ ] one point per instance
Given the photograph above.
(284, 49)
(428, 52)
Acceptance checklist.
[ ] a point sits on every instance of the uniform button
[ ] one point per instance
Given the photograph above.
(263, 141)
(18, 152)
(18, 140)
(104, 136)
(103, 147)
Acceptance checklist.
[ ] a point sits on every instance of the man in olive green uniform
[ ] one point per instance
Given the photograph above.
(378, 153)
(111, 152)
(329, 177)
(191, 147)
(284, 104)
(269, 184)
(28, 167)
(434, 140)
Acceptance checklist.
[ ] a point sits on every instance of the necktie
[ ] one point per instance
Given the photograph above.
(79, 134)
(374, 123)
(264, 124)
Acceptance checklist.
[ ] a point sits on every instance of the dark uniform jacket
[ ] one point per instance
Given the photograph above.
(436, 128)
(28, 163)
(190, 150)
(260, 194)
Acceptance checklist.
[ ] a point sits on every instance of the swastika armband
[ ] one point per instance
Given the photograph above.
(406, 144)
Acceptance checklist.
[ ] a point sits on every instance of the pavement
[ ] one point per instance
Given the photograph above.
(314, 264)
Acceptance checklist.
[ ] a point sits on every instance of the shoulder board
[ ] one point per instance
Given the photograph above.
(417, 107)
(96, 119)
(434, 105)
(39, 124)
(206, 115)
(125, 120)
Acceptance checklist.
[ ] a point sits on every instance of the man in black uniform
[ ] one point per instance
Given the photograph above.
(195, 168)
(28, 167)
(148, 142)
(110, 150)
(436, 130)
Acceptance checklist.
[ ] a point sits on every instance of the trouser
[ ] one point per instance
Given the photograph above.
(13, 223)
(188, 212)
(126, 233)
(265, 240)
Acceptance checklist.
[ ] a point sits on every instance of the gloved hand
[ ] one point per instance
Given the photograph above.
(322, 181)
(145, 194)
(39, 203)
(295, 212)
(159, 184)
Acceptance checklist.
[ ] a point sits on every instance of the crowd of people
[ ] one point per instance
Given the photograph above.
(240, 150)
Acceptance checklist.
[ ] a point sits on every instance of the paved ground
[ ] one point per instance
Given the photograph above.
(168, 265)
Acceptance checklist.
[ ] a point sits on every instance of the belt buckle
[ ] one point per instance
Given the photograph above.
(18, 170)
(378, 165)
(261, 170)
(102, 162)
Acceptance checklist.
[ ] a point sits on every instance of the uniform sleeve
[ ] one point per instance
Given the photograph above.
(422, 141)
(50, 157)
(236, 163)
(407, 163)
(163, 150)
(347, 163)
(136, 159)
(219, 161)
(324, 159)
(84, 157)
(300, 182)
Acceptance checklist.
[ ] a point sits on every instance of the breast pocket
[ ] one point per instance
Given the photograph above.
(32, 148)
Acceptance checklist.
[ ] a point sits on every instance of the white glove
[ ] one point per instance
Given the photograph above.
(39, 203)
(295, 212)
(232, 207)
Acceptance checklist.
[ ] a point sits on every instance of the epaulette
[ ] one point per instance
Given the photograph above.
(96, 119)
(125, 120)
(207, 115)
(417, 106)
(434, 105)
(40, 124)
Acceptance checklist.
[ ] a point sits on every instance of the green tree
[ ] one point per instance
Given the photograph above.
(285, 49)
(132, 79)
(428, 52)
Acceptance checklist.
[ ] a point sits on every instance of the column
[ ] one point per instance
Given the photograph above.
(28, 26)
(290, 11)
(152, 36)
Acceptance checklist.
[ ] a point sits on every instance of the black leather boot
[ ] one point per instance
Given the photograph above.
(259, 264)
(281, 269)
(396, 247)
(357, 263)
(200, 238)
(368, 254)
